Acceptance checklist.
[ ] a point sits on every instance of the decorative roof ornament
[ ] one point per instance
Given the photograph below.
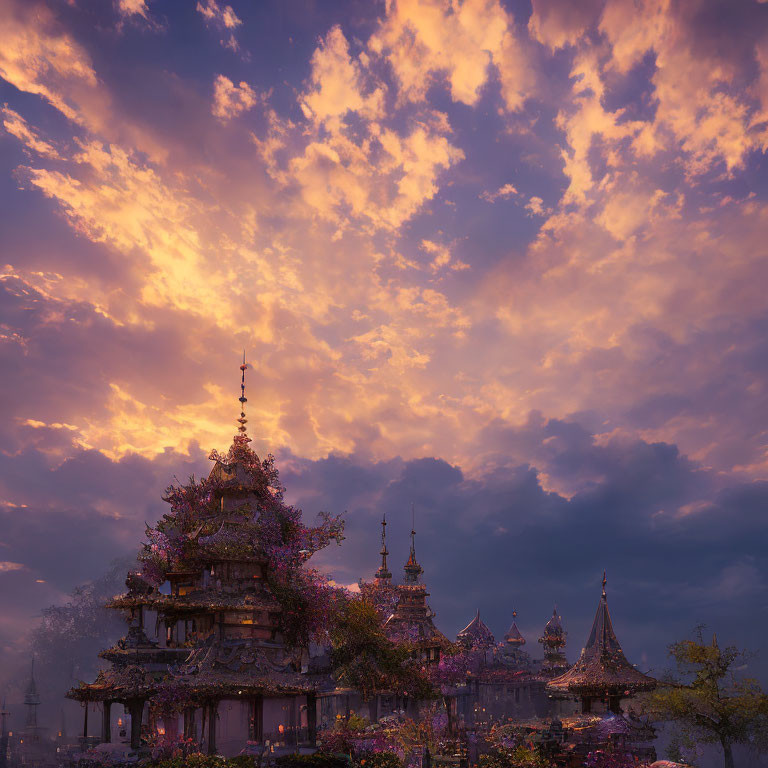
(476, 634)
(383, 574)
(242, 421)
(513, 636)
(412, 568)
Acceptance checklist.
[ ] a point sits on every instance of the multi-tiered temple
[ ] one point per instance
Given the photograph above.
(412, 620)
(223, 581)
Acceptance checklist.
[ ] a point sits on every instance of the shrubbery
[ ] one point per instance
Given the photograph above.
(318, 760)
(379, 760)
(519, 757)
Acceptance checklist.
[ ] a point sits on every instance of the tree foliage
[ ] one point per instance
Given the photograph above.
(67, 640)
(706, 700)
(364, 658)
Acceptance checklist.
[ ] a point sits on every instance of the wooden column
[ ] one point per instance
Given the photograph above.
(257, 727)
(85, 722)
(106, 722)
(212, 728)
(373, 709)
(136, 710)
(293, 720)
(189, 724)
(312, 719)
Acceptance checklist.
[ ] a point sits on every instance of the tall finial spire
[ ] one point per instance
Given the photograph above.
(412, 568)
(242, 421)
(383, 574)
(605, 581)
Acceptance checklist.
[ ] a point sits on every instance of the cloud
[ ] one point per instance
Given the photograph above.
(558, 24)
(223, 18)
(427, 41)
(230, 100)
(336, 85)
(535, 206)
(503, 192)
(352, 167)
(128, 8)
(38, 57)
(17, 126)
(7, 566)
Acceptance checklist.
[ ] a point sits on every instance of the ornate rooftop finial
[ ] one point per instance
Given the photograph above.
(412, 568)
(243, 400)
(605, 581)
(383, 574)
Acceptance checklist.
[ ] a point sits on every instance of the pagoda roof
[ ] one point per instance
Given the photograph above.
(477, 634)
(514, 636)
(219, 669)
(201, 600)
(419, 630)
(602, 668)
(234, 664)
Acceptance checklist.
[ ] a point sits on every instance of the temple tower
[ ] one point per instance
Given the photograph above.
(3, 735)
(383, 577)
(31, 702)
(602, 672)
(553, 641)
(412, 619)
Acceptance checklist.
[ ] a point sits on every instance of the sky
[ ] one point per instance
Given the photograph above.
(504, 261)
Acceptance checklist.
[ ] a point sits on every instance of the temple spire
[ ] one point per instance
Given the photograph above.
(602, 670)
(383, 574)
(32, 699)
(242, 421)
(412, 568)
(514, 636)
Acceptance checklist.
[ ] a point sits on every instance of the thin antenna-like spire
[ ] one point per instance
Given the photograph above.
(412, 568)
(242, 421)
(383, 574)
(605, 581)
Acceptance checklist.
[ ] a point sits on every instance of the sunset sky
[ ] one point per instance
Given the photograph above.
(506, 261)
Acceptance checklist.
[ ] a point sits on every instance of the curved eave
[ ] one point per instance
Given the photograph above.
(194, 603)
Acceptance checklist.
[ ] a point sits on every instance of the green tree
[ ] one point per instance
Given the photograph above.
(364, 658)
(707, 702)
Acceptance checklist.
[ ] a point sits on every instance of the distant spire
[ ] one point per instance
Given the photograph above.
(412, 568)
(514, 636)
(383, 574)
(3, 731)
(242, 421)
(602, 669)
(32, 699)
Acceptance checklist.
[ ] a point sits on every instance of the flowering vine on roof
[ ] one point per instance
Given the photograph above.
(238, 512)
